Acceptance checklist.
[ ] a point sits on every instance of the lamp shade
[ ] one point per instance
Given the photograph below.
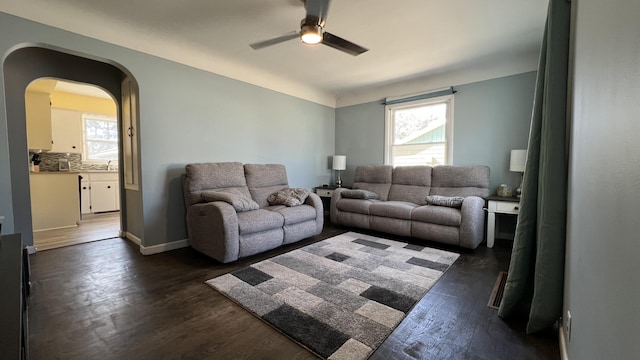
(518, 160)
(339, 162)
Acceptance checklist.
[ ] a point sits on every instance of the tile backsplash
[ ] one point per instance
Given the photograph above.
(49, 162)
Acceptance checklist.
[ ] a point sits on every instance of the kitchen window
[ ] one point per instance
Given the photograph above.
(419, 132)
(100, 138)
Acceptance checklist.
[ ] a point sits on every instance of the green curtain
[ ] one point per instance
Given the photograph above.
(536, 272)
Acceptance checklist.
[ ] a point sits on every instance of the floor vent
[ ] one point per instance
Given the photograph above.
(498, 291)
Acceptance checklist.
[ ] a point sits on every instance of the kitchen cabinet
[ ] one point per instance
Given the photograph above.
(85, 195)
(54, 200)
(100, 192)
(103, 196)
(38, 115)
(66, 131)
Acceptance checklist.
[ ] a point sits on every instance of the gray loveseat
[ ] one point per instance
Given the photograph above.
(441, 203)
(229, 215)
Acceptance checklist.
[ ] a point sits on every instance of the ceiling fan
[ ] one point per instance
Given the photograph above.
(312, 31)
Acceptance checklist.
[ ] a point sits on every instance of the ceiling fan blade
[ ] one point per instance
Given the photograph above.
(262, 44)
(341, 44)
(318, 9)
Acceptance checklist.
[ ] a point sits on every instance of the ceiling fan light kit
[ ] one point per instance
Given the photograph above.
(312, 31)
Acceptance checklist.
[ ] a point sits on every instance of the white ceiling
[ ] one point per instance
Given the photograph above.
(50, 85)
(81, 89)
(421, 44)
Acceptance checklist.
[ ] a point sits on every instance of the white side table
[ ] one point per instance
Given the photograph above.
(325, 193)
(499, 205)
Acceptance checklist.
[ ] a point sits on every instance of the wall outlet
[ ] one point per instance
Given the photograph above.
(567, 326)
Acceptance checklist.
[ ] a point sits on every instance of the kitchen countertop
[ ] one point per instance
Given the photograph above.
(99, 171)
(75, 172)
(54, 172)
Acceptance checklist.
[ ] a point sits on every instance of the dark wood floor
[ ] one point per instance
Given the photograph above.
(104, 300)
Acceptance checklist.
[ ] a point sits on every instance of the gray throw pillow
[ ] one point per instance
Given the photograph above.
(233, 197)
(449, 201)
(289, 197)
(359, 194)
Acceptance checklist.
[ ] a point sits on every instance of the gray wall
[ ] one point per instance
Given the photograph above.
(602, 290)
(360, 136)
(186, 115)
(491, 118)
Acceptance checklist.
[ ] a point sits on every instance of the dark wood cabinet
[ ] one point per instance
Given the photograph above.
(14, 289)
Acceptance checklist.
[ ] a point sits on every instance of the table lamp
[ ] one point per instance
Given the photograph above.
(339, 164)
(517, 163)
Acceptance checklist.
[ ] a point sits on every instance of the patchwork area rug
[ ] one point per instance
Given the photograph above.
(340, 297)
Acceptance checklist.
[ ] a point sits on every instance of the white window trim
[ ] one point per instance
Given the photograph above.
(388, 124)
(85, 152)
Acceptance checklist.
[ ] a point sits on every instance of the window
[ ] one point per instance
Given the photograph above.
(100, 138)
(419, 132)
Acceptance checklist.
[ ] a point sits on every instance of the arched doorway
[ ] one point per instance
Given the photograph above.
(72, 131)
(21, 67)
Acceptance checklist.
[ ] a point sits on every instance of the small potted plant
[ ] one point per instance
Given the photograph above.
(35, 162)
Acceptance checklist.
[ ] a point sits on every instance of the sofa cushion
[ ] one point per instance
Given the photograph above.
(298, 214)
(355, 205)
(289, 197)
(359, 194)
(274, 207)
(400, 227)
(258, 220)
(233, 197)
(374, 174)
(376, 178)
(381, 189)
(392, 209)
(409, 193)
(410, 183)
(212, 176)
(447, 180)
(265, 179)
(439, 215)
(449, 201)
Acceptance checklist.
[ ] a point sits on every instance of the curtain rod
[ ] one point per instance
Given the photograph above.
(428, 95)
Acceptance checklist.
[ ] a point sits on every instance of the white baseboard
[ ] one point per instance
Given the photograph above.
(56, 228)
(563, 345)
(134, 239)
(156, 249)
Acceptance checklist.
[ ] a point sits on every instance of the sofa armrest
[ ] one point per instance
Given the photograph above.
(333, 210)
(213, 230)
(314, 200)
(472, 226)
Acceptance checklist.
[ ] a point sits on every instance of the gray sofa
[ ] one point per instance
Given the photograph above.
(229, 215)
(441, 203)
